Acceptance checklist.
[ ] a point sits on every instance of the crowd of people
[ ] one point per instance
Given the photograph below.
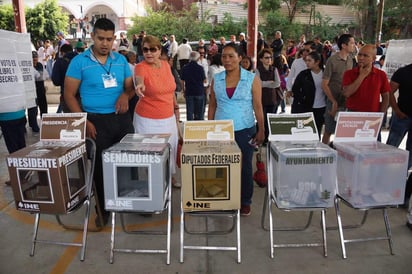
(144, 76)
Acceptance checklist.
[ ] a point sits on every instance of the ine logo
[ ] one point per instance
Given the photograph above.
(198, 205)
(119, 203)
(28, 206)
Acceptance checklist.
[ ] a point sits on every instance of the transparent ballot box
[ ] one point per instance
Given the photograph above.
(136, 176)
(371, 173)
(304, 174)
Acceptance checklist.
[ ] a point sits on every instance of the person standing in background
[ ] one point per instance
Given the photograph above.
(183, 52)
(242, 44)
(365, 87)
(335, 67)
(157, 106)
(173, 47)
(103, 80)
(41, 100)
(123, 40)
(270, 82)
(46, 57)
(277, 44)
(59, 73)
(222, 43)
(232, 90)
(307, 92)
(193, 78)
(401, 122)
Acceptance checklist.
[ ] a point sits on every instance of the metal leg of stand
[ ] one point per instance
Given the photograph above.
(169, 225)
(237, 247)
(388, 230)
(182, 225)
(388, 236)
(340, 229)
(207, 215)
(168, 206)
(239, 254)
(271, 230)
(112, 237)
(323, 221)
(262, 220)
(35, 231)
(85, 227)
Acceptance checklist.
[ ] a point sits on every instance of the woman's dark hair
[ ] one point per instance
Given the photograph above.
(277, 63)
(233, 46)
(250, 62)
(263, 51)
(216, 60)
(316, 56)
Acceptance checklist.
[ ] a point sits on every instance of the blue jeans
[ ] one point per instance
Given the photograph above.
(399, 127)
(195, 107)
(242, 138)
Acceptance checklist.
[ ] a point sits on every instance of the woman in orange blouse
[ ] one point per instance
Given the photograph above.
(155, 85)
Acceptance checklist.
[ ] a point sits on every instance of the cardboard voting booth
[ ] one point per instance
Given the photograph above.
(370, 173)
(136, 173)
(303, 170)
(49, 176)
(210, 166)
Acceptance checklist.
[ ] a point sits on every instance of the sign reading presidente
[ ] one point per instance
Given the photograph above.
(292, 127)
(51, 173)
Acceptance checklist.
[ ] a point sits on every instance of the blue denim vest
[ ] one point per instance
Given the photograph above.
(239, 108)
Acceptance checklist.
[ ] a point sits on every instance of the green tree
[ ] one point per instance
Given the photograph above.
(45, 19)
(185, 24)
(397, 23)
(7, 18)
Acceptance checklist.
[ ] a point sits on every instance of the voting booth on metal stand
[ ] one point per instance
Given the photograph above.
(55, 175)
(301, 173)
(137, 179)
(371, 175)
(210, 168)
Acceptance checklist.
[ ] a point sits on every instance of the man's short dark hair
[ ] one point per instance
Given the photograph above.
(103, 24)
(344, 39)
(66, 48)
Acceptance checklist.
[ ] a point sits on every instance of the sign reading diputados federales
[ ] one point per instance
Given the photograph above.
(292, 127)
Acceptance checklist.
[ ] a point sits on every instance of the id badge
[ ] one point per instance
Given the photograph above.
(109, 81)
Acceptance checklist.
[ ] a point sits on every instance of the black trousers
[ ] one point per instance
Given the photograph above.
(110, 129)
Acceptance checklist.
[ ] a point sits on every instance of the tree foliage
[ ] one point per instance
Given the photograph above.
(7, 18)
(396, 22)
(45, 19)
(185, 24)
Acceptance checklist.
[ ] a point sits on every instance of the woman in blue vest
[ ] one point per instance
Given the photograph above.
(236, 95)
